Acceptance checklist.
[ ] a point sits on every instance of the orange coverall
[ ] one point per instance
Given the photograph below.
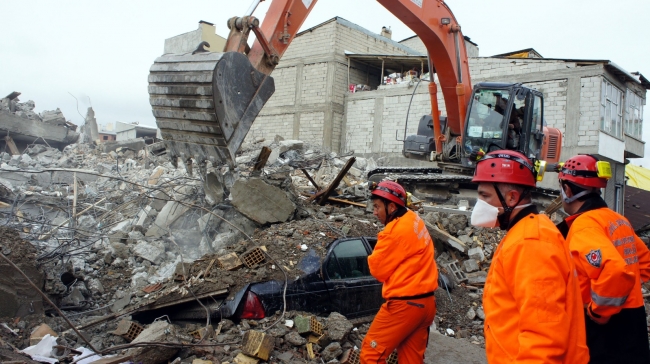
(533, 310)
(611, 262)
(403, 261)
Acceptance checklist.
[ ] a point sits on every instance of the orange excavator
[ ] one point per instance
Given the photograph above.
(204, 103)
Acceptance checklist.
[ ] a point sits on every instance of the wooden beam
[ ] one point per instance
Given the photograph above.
(340, 200)
(11, 145)
(337, 180)
(311, 180)
(262, 158)
(446, 237)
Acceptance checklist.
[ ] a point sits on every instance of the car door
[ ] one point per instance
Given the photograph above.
(353, 290)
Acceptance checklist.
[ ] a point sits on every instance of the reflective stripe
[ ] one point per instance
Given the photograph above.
(607, 301)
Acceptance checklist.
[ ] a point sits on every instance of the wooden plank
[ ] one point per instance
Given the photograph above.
(337, 180)
(11, 145)
(262, 158)
(446, 237)
(340, 200)
(554, 206)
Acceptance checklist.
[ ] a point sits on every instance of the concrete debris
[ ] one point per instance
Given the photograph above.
(261, 202)
(159, 331)
(127, 235)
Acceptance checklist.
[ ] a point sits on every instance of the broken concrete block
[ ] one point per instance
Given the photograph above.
(120, 303)
(170, 213)
(471, 314)
(476, 253)
(230, 262)
(306, 324)
(153, 252)
(261, 202)
(331, 351)
(214, 188)
(470, 265)
(158, 201)
(476, 278)
(480, 313)
(39, 333)
(295, 339)
(159, 331)
(133, 144)
(286, 145)
(338, 327)
(257, 344)
(144, 217)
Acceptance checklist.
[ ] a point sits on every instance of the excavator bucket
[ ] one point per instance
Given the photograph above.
(205, 103)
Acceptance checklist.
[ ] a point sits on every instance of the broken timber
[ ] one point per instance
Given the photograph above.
(324, 195)
(262, 158)
(11, 145)
(446, 237)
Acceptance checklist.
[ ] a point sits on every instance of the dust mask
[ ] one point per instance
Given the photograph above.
(484, 215)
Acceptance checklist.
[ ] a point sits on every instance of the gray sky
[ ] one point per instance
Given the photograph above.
(101, 51)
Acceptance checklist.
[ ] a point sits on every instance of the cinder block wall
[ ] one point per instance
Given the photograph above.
(311, 83)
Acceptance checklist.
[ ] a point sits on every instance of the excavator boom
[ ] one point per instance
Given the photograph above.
(205, 103)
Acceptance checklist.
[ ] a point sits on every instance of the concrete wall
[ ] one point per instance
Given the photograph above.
(188, 42)
(418, 45)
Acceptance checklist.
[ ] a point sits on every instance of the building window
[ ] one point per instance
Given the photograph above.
(634, 115)
(105, 137)
(611, 109)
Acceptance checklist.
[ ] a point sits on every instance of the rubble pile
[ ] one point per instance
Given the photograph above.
(25, 110)
(119, 232)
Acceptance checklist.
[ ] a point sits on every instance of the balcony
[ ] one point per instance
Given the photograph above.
(634, 148)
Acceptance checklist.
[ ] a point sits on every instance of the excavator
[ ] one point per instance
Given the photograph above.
(205, 102)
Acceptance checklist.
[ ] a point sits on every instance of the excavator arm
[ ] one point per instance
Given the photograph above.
(205, 103)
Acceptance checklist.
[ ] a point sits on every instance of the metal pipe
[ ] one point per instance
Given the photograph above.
(251, 9)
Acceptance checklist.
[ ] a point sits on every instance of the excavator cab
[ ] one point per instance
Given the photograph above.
(504, 116)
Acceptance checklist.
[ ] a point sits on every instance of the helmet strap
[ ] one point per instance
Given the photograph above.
(504, 219)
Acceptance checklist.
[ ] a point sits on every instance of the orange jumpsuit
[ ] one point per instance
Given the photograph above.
(612, 262)
(403, 261)
(533, 311)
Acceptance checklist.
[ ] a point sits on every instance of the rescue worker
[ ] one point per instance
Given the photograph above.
(611, 262)
(403, 261)
(531, 299)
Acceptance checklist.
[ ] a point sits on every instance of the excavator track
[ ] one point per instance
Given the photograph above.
(414, 177)
(205, 103)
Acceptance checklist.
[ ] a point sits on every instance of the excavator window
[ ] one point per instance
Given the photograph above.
(534, 144)
(485, 127)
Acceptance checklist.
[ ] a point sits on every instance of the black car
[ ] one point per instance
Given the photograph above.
(341, 283)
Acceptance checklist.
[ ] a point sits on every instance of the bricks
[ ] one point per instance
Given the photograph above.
(308, 324)
(129, 330)
(257, 344)
(253, 257)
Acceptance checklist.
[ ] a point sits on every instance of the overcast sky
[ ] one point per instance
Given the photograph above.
(101, 51)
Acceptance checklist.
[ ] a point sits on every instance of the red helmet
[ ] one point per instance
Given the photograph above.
(505, 166)
(392, 191)
(585, 171)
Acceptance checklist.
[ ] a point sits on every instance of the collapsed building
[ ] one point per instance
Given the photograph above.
(21, 126)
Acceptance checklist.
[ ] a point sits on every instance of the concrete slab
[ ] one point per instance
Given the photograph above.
(27, 130)
(135, 144)
(261, 202)
(169, 213)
